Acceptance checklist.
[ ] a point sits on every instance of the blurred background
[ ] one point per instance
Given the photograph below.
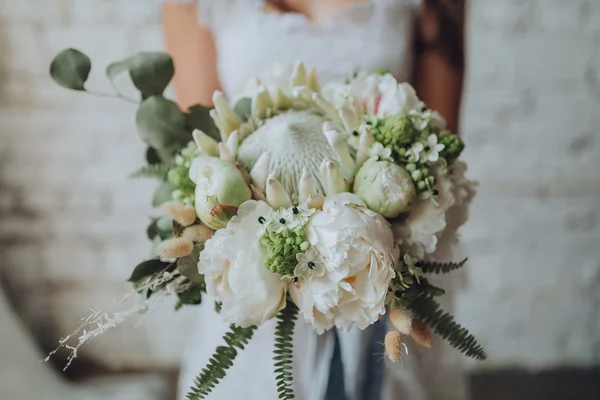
(71, 223)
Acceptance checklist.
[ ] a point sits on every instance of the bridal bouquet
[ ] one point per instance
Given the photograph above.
(325, 203)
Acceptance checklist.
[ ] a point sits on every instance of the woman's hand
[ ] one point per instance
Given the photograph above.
(193, 51)
(440, 57)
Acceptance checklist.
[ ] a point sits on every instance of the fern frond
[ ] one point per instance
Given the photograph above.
(284, 350)
(440, 268)
(158, 171)
(427, 310)
(221, 360)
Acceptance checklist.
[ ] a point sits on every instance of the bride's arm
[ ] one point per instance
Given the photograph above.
(193, 52)
(440, 57)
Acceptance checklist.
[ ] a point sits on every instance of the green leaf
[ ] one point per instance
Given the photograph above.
(147, 268)
(427, 310)
(191, 297)
(284, 350)
(71, 69)
(243, 107)
(151, 72)
(157, 171)
(188, 266)
(430, 267)
(161, 123)
(198, 117)
(223, 357)
(163, 194)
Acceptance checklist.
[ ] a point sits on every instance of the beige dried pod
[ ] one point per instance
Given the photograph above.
(197, 233)
(401, 320)
(175, 248)
(421, 334)
(184, 215)
(393, 346)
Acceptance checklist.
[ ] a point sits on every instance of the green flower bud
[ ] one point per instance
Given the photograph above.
(453, 146)
(385, 187)
(416, 176)
(394, 132)
(410, 167)
(218, 184)
(421, 185)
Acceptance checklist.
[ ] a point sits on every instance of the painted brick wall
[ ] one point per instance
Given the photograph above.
(71, 223)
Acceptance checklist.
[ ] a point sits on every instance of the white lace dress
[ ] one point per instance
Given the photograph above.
(250, 42)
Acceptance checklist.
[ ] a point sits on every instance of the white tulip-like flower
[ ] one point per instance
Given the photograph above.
(235, 273)
(220, 189)
(359, 252)
(385, 187)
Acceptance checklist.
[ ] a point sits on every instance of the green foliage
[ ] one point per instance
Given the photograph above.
(198, 117)
(191, 297)
(243, 108)
(161, 123)
(71, 69)
(150, 72)
(427, 310)
(147, 268)
(188, 266)
(236, 339)
(158, 171)
(284, 350)
(429, 267)
(162, 194)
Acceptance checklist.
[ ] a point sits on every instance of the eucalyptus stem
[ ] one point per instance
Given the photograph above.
(113, 95)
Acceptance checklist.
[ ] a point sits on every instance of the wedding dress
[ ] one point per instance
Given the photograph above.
(251, 42)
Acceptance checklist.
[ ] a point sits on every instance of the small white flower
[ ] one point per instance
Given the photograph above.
(309, 264)
(414, 153)
(378, 152)
(298, 216)
(431, 149)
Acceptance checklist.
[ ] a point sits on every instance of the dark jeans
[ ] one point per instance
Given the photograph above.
(370, 388)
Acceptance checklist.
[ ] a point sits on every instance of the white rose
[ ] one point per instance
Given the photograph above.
(359, 253)
(235, 273)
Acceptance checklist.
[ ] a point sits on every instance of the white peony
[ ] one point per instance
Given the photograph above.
(359, 253)
(235, 273)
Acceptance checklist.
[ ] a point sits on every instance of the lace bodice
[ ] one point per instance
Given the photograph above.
(366, 34)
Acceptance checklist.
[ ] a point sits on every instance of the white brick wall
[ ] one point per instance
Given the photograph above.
(72, 226)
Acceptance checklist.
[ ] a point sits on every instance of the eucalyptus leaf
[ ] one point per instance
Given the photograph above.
(188, 266)
(243, 107)
(151, 72)
(163, 194)
(198, 117)
(71, 69)
(161, 123)
(147, 268)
